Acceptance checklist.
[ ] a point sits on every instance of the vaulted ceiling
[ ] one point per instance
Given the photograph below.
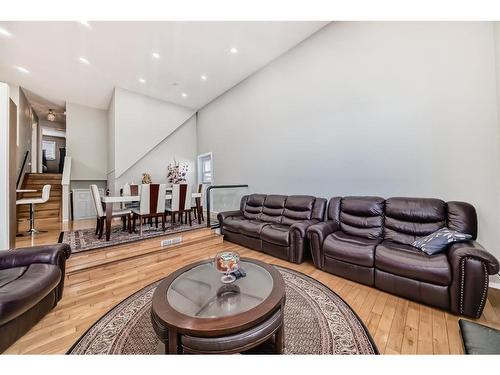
(186, 63)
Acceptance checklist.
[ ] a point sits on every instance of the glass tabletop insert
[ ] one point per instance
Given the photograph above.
(200, 293)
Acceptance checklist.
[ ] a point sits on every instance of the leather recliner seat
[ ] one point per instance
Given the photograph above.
(274, 224)
(31, 284)
(369, 240)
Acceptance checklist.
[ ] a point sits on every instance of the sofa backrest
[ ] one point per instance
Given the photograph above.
(406, 219)
(400, 219)
(253, 205)
(358, 216)
(282, 209)
(272, 209)
(297, 208)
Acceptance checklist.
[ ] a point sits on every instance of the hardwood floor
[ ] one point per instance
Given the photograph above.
(396, 324)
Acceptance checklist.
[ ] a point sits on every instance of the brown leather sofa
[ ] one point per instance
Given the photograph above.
(369, 240)
(274, 224)
(31, 284)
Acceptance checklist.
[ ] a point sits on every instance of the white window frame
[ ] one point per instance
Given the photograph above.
(201, 159)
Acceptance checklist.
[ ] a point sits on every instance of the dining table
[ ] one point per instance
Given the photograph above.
(108, 201)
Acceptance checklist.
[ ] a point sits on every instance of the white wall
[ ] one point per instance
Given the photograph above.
(4, 166)
(181, 145)
(368, 108)
(110, 173)
(86, 142)
(141, 123)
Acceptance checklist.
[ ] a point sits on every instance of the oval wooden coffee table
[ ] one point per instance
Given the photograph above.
(194, 312)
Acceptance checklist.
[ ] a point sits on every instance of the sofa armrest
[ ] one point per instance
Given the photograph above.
(317, 234)
(471, 266)
(48, 254)
(302, 226)
(472, 249)
(224, 215)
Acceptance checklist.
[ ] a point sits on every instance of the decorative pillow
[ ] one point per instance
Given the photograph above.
(439, 240)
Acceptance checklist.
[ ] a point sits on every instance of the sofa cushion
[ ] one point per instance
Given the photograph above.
(362, 216)
(276, 234)
(10, 274)
(408, 261)
(26, 291)
(232, 223)
(251, 228)
(297, 208)
(351, 249)
(253, 206)
(406, 219)
(272, 209)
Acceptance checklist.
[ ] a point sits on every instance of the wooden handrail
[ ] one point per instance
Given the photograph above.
(21, 172)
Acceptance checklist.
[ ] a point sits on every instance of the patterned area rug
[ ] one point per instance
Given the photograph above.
(317, 321)
(86, 239)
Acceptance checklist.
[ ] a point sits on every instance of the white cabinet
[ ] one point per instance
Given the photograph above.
(83, 207)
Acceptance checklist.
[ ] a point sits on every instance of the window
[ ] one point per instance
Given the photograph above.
(205, 168)
(50, 149)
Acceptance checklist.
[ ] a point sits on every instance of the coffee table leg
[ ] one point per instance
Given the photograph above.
(173, 346)
(280, 338)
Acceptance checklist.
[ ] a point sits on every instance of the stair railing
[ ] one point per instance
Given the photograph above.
(212, 187)
(66, 179)
(20, 176)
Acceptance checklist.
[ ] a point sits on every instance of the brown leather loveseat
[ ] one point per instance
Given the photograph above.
(31, 284)
(369, 240)
(274, 224)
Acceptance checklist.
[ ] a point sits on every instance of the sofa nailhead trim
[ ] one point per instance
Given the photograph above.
(462, 281)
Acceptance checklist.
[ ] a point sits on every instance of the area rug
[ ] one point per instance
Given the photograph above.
(317, 321)
(85, 239)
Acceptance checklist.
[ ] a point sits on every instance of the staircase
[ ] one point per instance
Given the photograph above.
(52, 208)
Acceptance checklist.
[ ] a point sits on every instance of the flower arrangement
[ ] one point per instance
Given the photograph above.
(177, 172)
(146, 178)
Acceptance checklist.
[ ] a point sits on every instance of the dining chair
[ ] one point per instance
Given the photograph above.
(151, 205)
(125, 215)
(32, 203)
(181, 202)
(198, 201)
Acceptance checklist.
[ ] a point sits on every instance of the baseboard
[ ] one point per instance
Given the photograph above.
(494, 285)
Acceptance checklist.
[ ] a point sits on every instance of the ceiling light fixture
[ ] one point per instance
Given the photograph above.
(233, 50)
(84, 60)
(203, 78)
(142, 80)
(51, 116)
(5, 32)
(156, 55)
(85, 23)
(184, 95)
(22, 70)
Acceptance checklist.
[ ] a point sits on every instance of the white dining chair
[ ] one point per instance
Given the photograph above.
(32, 202)
(151, 205)
(181, 202)
(101, 215)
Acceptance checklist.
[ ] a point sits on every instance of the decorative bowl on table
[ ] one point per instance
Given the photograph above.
(227, 262)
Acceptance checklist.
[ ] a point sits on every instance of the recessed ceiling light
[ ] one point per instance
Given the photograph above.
(156, 55)
(22, 70)
(85, 23)
(5, 32)
(84, 60)
(184, 95)
(142, 80)
(233, 50)
(204, 78)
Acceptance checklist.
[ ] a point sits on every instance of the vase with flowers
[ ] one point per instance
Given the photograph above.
(177, 172)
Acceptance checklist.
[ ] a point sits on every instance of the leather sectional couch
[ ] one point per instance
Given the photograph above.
(274, 224)
(31, 284)
(369, 240)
